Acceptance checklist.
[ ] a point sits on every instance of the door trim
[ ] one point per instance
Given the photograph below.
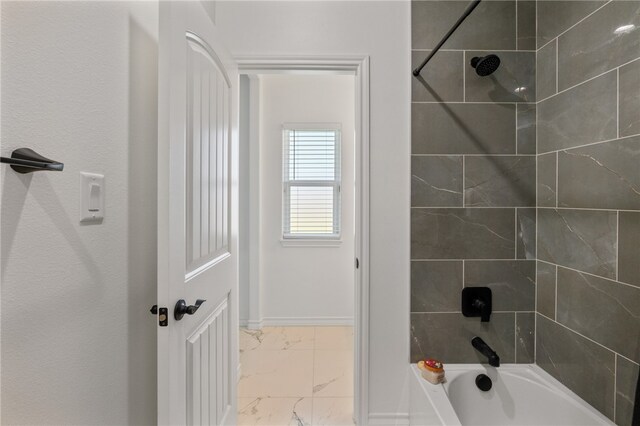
(358, 66)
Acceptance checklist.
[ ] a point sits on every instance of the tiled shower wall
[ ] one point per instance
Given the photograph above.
(475, 199)
(473, 188)
(588, 293)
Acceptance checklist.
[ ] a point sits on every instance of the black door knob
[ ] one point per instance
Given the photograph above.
(181, 308)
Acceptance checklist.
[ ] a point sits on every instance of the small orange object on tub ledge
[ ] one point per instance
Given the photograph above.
(432, 370)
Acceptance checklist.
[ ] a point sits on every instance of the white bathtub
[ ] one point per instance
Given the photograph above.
(522, 394)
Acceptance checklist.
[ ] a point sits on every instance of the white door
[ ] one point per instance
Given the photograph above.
(197, 220)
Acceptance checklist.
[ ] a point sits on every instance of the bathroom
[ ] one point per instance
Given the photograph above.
(525, 181)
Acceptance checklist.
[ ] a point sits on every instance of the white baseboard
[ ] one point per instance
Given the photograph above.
(293, 321)
(250, 324)
(388, 419)
(306, 321)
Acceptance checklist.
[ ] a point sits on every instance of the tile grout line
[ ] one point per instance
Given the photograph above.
(516, 35)
(579, 334)
(464, 77)
(474, 260)
(463, 272)
(532, 155)
(413, 49)
(557, 65)
(515, 233)
(555, 308)
(515, 337)
(557, 180)
(473, 155)
(618, 102)
(574, 25)
(617, 245)
(535, 317)
(589, 273)
(471, 102)
(525, 207)
(575, 85)
(464, 177)
(590, 144)
(615, 384)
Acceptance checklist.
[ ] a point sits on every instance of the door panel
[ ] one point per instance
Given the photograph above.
(208, 371)
(207, 201)
(197, 219)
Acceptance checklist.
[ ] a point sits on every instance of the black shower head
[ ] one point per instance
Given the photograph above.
(485, 65)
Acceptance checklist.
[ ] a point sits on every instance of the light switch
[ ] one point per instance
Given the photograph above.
(92, 190)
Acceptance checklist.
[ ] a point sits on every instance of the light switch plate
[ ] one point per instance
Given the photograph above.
(92, 197)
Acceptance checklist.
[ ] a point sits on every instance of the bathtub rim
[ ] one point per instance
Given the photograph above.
(438, 397)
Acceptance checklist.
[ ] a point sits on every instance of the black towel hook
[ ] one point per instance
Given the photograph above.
(26, 160)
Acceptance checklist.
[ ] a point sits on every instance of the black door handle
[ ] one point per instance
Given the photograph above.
(181, 308)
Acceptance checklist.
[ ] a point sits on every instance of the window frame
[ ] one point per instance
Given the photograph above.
(287, 238)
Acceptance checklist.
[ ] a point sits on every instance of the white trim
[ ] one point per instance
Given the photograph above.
(250, 324)
(255, 308)
(358, 66)
(310, 242)
(387, 419)
(306, 321)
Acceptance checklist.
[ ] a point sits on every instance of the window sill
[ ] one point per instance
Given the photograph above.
(308, 242)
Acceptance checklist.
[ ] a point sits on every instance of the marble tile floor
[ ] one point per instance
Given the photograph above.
(298, 376)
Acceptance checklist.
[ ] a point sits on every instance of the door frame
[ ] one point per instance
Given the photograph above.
(358, 66)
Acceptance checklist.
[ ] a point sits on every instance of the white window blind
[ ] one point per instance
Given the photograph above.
(311, 181)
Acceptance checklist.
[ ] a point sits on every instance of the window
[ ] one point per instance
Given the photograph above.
(311, 181)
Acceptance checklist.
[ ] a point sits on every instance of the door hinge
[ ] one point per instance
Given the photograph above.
(163, 315)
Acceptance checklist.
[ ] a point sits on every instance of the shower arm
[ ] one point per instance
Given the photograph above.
(472, 5)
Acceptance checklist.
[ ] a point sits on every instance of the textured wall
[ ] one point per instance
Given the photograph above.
(79, 84)
(588, 295)
(473, 169)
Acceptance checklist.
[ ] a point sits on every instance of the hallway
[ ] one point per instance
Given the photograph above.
(296, 376)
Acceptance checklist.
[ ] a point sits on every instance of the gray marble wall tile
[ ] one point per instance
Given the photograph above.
(579, 239)
(492, 25)
(436, 181)
(441, 79)
(512, 282)
(600, 309)
(546, 71)
(513, 81)
(526, 25)
(447, 337)
(463, 128)
(629, 114)
(608, 38)
(583, 366)
(436, 286)
(626, 382)
(556, 16)
(526, 128)
(584, 114)
(500, 181)
(462, 233)
(547, 180)
(525, 337)
(604, 176)
(526, 234)
(546, 289)
(629, 248)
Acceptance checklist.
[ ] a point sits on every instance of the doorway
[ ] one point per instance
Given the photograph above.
(327, 328)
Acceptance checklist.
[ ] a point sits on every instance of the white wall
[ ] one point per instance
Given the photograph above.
(304, 285)
(79, 84)
(382, 31)
(244, 203)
